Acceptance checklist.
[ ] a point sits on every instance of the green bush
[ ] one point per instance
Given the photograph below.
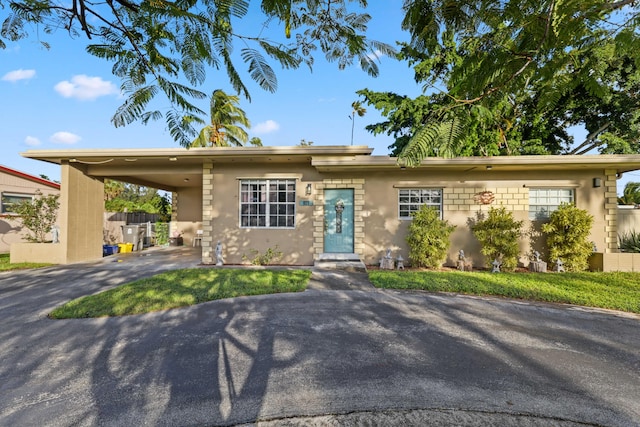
(498, 235)
(269, 256)
(629, 242)
(38, 216)
(162, 233)
(568, 237)
(428, 238)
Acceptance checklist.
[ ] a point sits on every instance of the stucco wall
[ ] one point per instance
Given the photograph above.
(81, 214)
(187, 209)
(384, 230)
(10, 227)
(377, 224)
(50, 253)
(296, 244)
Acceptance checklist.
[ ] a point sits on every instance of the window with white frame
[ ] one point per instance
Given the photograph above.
(267, 203)
(411, 199)
(543, 201)
(10, 200)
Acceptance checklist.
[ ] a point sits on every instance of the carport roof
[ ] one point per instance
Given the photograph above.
(173, 168)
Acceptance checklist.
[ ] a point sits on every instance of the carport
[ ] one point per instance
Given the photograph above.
(83, 172)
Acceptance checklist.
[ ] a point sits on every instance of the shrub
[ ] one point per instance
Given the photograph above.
(428, 238)
(629, 242)
(498, 235)
(38, 216)
(568, 237)
(269, 256)
(162, 233)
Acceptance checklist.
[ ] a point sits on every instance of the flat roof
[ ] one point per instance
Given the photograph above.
(171, 168)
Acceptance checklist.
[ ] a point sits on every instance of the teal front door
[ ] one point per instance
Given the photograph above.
(338, 220)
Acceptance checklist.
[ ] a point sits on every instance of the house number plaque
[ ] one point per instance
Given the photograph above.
(339, 209)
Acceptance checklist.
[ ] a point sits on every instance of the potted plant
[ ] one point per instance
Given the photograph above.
(176, 239)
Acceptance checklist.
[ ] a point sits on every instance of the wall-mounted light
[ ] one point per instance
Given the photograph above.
(173, 159)
(186, 180)
(597, 182)
(307, 190)
(489, 167)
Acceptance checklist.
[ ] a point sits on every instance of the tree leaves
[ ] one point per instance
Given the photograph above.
(226, 123)
(156, 45)
(539, 67)
(259, 70)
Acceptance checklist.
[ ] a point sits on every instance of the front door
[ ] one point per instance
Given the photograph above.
(338, 220)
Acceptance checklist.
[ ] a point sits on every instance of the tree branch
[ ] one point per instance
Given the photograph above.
(588, 143)
(618, 5)
(523, 68)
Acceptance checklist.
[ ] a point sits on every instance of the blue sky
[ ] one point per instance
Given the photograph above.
(64, 98)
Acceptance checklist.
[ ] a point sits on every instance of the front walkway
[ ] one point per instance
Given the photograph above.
(360, 356)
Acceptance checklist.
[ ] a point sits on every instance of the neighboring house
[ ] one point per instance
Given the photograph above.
(333, 201)
(15, 187)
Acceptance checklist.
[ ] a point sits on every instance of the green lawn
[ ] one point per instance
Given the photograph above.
(180, 288)
(6, 266)
(617, 291)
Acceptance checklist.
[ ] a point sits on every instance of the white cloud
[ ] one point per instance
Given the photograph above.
(67, 138)
(32, 141)
(266, 127)
(85, 88)
(17, 75)
(375, 56)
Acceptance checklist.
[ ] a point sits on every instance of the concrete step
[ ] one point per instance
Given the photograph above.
(344, 262)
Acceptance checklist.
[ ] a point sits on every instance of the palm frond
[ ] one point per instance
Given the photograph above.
(234, 77)
(180, 128)
(134, 106)
(285, 56)
(369, 65)
(259, 70)
(436, 138)
(149, 116)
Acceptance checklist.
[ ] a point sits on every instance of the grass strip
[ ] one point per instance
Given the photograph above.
(616, 291)
(5, 265)
(181, 288)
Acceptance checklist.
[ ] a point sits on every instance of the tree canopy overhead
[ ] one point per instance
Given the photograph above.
(513, 76)
(166, 48)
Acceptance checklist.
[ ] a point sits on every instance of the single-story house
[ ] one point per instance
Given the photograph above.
(332, 201)
(15, 187)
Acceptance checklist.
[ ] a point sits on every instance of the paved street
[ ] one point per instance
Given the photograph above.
(320, 357)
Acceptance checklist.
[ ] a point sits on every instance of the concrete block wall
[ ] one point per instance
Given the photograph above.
(513, 199)
(208, 244)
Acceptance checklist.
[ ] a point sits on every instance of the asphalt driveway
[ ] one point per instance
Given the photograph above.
(321, 357)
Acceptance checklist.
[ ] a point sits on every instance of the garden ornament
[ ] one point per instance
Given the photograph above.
(386, 263)
(496, 266)
(219, 260)
(400, 262)
(559, 266)
(461, 260)
(55, 234)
